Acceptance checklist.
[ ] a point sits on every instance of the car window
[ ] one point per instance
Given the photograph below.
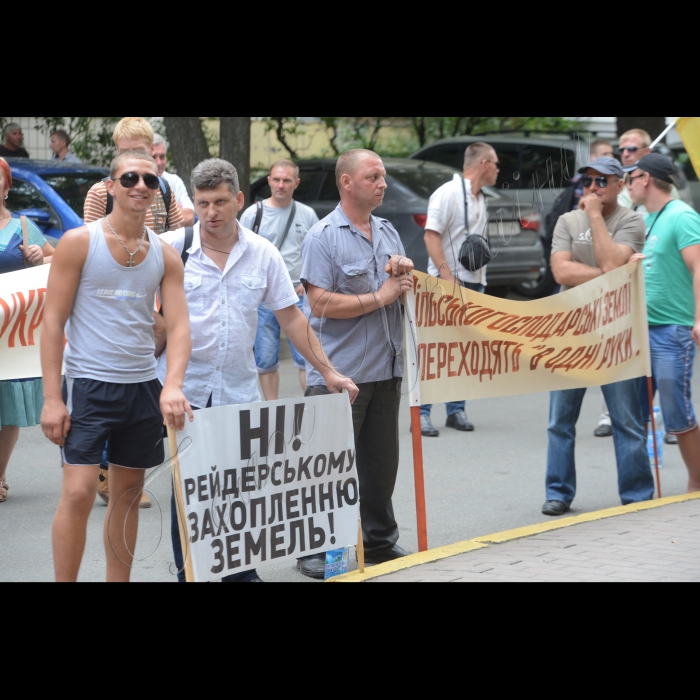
(24, 196)
(329, 191)
(421, 181)
(73, 188)
(451, 154)
(305, 191)
(547, 164)
(510, 175)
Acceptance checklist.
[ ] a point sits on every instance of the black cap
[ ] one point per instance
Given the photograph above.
(657, 166)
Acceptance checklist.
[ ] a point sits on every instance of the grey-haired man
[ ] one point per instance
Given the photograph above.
(598, 238)
(229, 272)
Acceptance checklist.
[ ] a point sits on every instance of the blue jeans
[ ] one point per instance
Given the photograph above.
(452, 408)
(635, 479)
(245, 577)
(456, 406)
(672, 360)
(267, 342)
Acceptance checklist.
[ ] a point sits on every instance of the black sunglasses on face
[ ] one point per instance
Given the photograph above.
(629, 149)
(497, 163)
(602, 182)
(130, 180)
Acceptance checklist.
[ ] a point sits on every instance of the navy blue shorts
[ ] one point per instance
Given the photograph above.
(128, 416)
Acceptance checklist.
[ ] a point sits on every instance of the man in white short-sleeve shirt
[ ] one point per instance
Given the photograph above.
(457, 210)
(160, 153)
(229, 272)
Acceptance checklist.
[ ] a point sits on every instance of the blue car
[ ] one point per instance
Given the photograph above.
(51, 194)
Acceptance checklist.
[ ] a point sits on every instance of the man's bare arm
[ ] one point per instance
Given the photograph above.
(610, 255)
(177, 324)
(160, 332)
(64, 279)
(433, 242)
(303, 338)
(340, 305)
(572, 274)
(691, 257)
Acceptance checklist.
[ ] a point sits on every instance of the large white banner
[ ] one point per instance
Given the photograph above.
(268, 482)
(22, 301)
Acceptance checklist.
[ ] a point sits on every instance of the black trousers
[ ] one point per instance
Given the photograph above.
(375, 416)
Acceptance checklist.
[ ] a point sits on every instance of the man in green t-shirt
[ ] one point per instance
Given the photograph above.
(672, 270)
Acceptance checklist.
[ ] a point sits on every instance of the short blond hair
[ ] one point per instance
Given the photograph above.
(643, 135)
(133, 128)
(286, 164)
(349, 163)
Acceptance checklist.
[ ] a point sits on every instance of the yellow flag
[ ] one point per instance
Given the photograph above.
(689, 129)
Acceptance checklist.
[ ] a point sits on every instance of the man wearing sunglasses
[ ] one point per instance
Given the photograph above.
(101, 294)
(164, 214)
(134, 133)
(672, 271)
(598, 238)
(635, 145)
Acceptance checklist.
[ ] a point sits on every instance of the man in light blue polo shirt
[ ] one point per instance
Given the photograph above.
(355, 271)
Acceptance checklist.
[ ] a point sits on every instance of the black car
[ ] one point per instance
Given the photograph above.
(514, 229)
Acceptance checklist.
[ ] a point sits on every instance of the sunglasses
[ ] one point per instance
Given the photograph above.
(602, 182)
(630, 149)
(631, 179)
(130, 180)
(497, 163)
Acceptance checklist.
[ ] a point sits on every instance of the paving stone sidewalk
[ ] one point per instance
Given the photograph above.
(656, 545)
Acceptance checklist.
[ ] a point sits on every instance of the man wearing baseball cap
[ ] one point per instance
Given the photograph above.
(598, 238)
(672, 271)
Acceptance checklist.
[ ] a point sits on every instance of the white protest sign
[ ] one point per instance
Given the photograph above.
(268, 482)
(22, 301)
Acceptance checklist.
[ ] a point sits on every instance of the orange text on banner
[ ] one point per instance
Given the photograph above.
(473, 346)
(22, 302)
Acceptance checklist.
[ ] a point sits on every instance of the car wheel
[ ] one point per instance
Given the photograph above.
(542, 287)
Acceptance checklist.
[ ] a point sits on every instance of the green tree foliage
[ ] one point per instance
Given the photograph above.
(371, 132)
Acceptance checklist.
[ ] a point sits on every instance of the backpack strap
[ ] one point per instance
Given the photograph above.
(189, 239)
(25, 239)
(258, 218)
(167, 193)
(292, 216)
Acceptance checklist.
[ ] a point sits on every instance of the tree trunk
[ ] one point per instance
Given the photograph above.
(235, 148)
(654, 125)
(187, 144)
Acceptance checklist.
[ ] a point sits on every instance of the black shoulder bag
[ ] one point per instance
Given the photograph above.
(476, 251)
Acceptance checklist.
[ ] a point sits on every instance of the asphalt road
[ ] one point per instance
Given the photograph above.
(477, 484)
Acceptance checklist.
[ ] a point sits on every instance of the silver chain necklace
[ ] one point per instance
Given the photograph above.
(131, 262)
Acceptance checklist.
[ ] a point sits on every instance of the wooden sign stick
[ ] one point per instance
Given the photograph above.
(180, 502)
(361, 549)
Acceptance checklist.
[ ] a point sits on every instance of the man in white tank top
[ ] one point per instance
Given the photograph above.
(101, 293)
